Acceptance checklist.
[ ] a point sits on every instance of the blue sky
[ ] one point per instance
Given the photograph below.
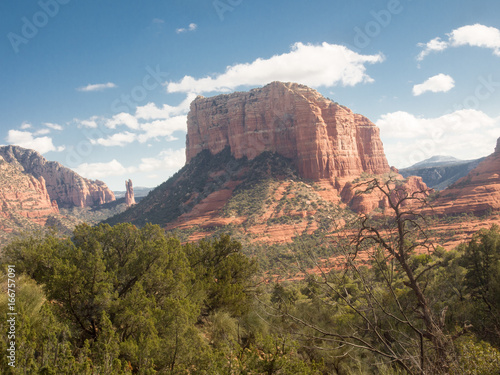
(104, 86)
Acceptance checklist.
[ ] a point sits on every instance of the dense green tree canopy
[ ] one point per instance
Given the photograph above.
(128, 300)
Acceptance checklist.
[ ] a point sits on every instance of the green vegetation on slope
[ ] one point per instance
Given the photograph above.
(123, 300)
(205, 174)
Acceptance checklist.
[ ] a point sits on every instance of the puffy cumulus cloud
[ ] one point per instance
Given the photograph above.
(103, 170)
(464, 134)
(123, 118)
(157, 129)
(151, 112)
(25, 125)
(476, 35)
(150, 122)
(162, 128)
(96, 87)
(167, 160)
(313, 65)
(29, 140)
(165, 163)
(437, 83)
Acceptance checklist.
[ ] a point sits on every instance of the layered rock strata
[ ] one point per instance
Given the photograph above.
(64, 186)
(324, 139)
(24, 195)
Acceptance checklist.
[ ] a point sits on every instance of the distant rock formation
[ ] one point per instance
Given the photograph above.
(478, 192)
(129, 195)
(439, 172)
(23, 195)
(324, 139)
(64, 186)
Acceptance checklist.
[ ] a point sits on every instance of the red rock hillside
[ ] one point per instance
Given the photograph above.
(23, 195)
(64, 186)
(275, 162)
(478, 192)
(324, 139)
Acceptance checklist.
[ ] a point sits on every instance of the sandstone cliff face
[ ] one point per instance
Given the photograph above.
(323, 139)
(64, 186)
(24, 195)
(251, 156)
(477, 192)
(129, 194)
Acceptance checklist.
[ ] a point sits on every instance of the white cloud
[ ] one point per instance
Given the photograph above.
(435, 44)
(191, 27)
(476, 35)
(103, 170)
(437, 83)
(165, 163)
(25, 125)
(117, 139)
(42, 131)
(151, 112)
(166, 120)
(152, 130)
(123, 118)
(313, 65)
(162, 128)
(170, 160)
(97, 87)
(465, 134)
(90, 123)
(53, 126)
(27, 140)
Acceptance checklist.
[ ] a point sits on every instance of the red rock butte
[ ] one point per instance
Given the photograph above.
(324, 140)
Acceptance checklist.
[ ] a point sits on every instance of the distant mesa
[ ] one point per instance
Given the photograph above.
(64, 186)
(440, 160)
(478, 192)
(439, 172)
(323, 139)
(273, 160)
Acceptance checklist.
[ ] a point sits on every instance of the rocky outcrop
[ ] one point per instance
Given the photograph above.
(129, 194)
(24, 195)
(355, 195)
(478, 192)
(286, 134)
(64, 186)
(323, 139)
